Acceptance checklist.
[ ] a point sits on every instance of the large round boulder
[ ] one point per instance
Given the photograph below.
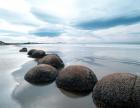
(30, 52)
(41, 74)
(38, 54)
(76, 79)
(53, 60)
(118, 90)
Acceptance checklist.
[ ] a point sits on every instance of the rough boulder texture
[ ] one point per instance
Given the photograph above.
(76, 79)
(118, 90)
(53, 60)
(41, 74)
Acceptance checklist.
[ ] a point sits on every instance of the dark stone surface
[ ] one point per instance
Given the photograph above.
(23, 50)
(136, 93)
(53, 60)
(41, 74)
(30, 52)
(118, 90)
(77, 79)
(38, 54)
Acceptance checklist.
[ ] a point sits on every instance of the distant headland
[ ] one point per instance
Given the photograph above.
(20, 43)
(4, 43)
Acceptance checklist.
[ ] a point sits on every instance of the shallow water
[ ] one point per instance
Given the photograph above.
(10, 60)
(104, 59)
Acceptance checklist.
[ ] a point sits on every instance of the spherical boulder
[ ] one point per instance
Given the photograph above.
(118, 90)
(38, 54)
(53, 60)
(23, 50)
(41, 74)
(76, 79)
(30, 52)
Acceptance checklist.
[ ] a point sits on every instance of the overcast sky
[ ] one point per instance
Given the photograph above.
(73, 21)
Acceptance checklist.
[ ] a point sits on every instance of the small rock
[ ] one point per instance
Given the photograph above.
(53, 60)
(23, 50)
(118, 90)
(76, 79)
(41, 74)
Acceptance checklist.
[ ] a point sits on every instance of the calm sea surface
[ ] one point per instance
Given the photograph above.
(103, 59)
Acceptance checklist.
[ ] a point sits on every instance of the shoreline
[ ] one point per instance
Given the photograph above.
(22, 69)
(12, 83)
(16, 82)
(11, 61)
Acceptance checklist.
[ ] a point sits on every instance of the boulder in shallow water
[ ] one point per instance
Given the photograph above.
(30, 52)
(118, 90)
(23, 50)
(77, 79)
(53, 60)
(38, 54)
(41, 74)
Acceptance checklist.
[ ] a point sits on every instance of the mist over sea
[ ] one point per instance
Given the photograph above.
(103, 59)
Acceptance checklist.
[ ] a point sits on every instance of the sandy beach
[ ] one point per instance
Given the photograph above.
(103, 59)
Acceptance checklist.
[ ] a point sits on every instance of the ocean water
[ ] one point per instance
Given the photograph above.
(103, 59)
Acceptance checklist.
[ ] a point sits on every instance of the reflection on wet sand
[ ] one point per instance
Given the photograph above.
(30, 96)
(19, 74)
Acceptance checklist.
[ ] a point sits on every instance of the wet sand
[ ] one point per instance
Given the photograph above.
(10, 60)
